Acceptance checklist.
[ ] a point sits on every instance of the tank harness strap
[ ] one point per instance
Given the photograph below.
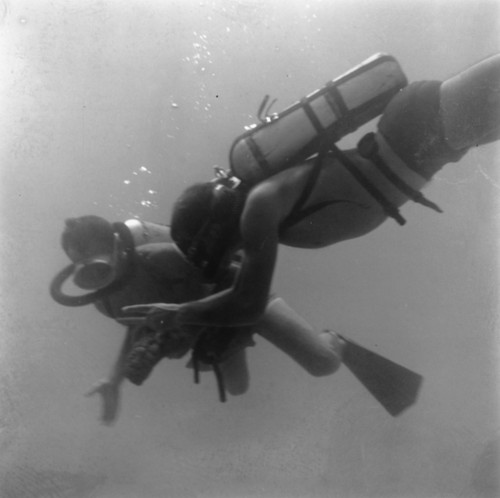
(389, 208)
(257, 154)
(338, 106)
(196, 365)
(320, 129)
(368, 148)
(218, 376)
(220, 382)
(297, 214)
(211, 359)
(335, 100)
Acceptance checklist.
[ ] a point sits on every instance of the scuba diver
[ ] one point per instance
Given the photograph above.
(107, 263)
(135, 262)
(290, 184)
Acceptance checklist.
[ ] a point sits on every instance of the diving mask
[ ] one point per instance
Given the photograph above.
(97, 271)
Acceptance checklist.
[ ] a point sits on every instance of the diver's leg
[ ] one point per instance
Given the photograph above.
(318, 353)
(235, 373)
(470, 105)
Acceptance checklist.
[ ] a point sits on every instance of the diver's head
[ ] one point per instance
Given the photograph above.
(93, 246)
(205, 224)
(189, 214)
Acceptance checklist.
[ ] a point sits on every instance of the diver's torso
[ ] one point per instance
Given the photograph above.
(354, 212)
(154, 279)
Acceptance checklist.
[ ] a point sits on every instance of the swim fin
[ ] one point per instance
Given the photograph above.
(393, 386)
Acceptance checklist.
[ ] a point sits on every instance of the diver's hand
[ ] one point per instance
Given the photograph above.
(158, 316)
(110, 394)
(163, 318)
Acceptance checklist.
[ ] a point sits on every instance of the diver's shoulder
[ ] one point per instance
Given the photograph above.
(165, 258)
(155, 248)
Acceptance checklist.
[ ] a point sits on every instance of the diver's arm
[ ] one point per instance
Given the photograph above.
(245, 301)
(116, 376)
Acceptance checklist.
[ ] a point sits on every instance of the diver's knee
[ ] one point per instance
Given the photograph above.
(325, 366)
(330, 362)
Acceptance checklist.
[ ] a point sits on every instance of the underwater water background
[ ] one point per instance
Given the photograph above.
(112, 108)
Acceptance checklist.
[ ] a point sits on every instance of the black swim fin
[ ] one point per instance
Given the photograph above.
(394, 386)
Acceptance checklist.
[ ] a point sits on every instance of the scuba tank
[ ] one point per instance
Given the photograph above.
(131, 234)
(339, 108)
